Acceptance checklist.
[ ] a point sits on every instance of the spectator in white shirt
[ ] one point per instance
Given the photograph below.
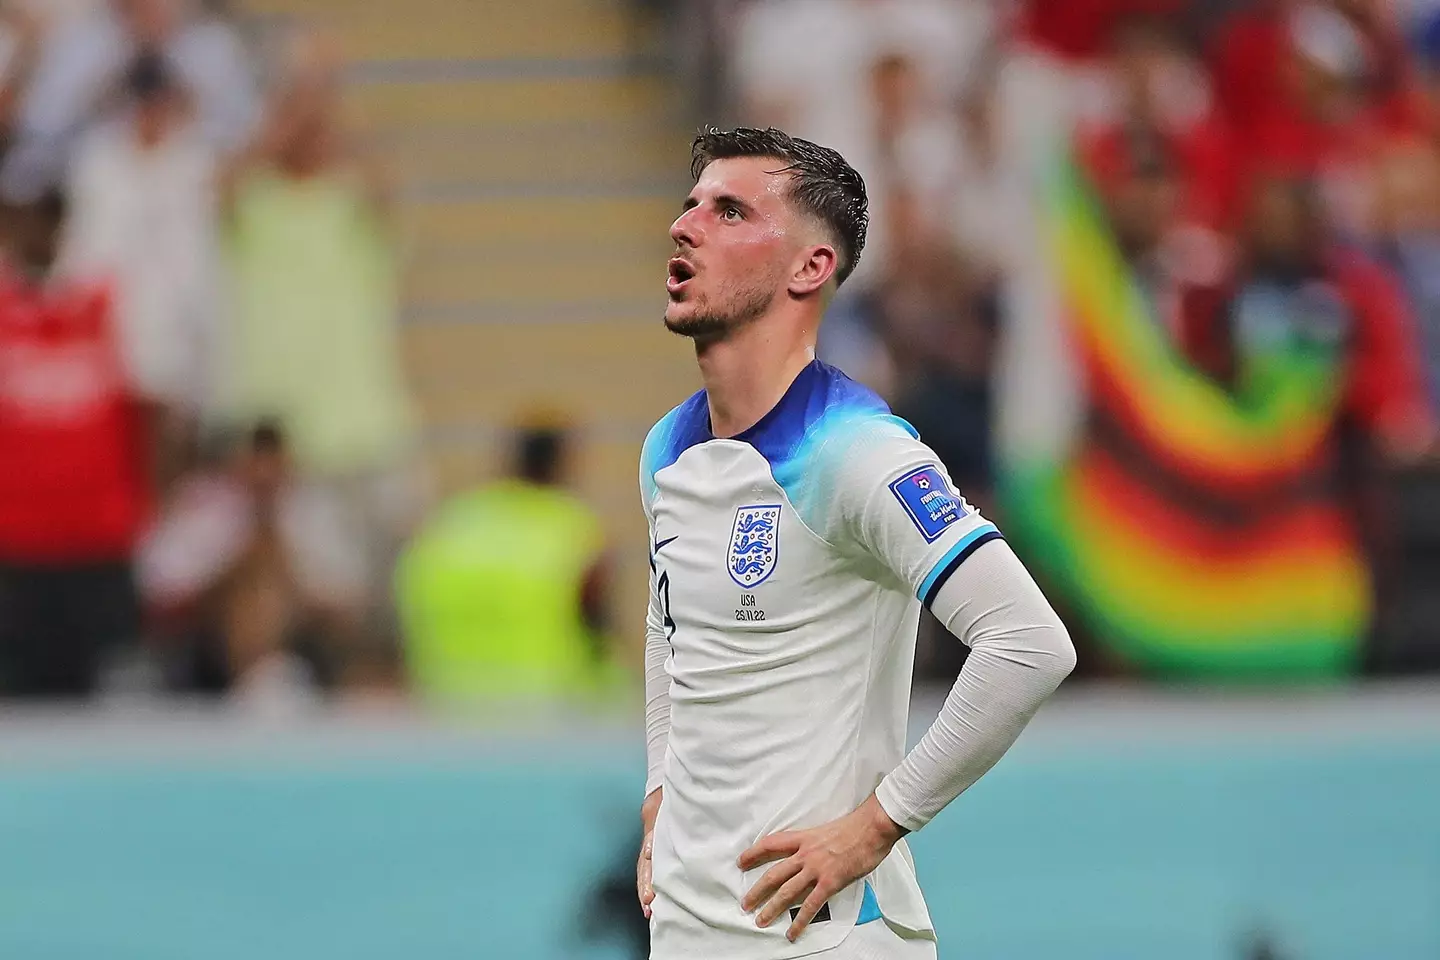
(807, 66)
(142, 220)
(81, 62)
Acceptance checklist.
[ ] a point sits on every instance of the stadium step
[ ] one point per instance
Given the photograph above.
(472, 101)
(486, 374)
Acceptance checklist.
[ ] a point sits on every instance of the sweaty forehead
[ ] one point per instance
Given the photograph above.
(753, 179)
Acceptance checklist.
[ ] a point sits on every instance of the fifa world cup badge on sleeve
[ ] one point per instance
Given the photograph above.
(754, 544)
(929, 501)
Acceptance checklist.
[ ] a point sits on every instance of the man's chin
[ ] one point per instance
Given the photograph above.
(695, 325)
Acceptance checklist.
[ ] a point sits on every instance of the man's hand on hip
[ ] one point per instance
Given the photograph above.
(816, 864)
(649, 810)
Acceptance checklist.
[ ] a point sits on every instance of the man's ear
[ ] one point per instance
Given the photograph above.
(815, 269)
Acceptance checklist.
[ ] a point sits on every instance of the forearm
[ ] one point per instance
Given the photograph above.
(1019, 654)
(657, 708)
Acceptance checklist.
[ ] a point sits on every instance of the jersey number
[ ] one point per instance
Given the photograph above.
(662, 587)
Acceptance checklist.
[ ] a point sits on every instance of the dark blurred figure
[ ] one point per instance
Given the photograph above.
(253, 578)
(503, 593)
(72, 484)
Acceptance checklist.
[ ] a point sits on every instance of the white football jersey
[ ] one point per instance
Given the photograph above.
(789, 567)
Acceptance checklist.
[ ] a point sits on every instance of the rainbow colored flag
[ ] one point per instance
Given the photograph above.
(1178, 525)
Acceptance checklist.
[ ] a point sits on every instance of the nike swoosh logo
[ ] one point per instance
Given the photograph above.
(662, 544)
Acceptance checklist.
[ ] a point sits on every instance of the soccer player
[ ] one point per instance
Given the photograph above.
(796, 528)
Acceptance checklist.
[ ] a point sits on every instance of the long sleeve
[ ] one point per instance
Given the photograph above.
(1020, 652)
(657, 683)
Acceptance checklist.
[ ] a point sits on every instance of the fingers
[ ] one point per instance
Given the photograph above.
(644, 867)
(808, 909)
(769, 848)
(795, 890)
(768, 884)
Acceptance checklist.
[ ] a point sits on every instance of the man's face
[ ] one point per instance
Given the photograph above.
(151, 21)
(156, 116)
(1143, 209)
(1275, 221)
(735, 247)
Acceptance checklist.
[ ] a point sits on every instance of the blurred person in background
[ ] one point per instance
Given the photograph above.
(915, 145)
(81, 62)
(1321, 88)
(1300, 298)
(1296, 289)
(314, 339)
(1410, 242)
(254, 578)
(1163, 162)
(72, 482)
(19, 44)
(504, 591)
(1141, 190)
(875, 79)
(977, 220)
(142, 219)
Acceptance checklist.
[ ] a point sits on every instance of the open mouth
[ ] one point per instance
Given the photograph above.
(681, 272)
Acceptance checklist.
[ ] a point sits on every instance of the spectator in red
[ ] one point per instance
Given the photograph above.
(71, 483)
(1319, 88)
(1410, 241)
(1141, 186)
(1081, 29)
(1163, 94)
(1163, 165)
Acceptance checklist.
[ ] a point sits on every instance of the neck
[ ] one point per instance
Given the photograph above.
(747, 373)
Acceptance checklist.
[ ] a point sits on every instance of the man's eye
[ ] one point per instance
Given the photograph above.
(730, 213)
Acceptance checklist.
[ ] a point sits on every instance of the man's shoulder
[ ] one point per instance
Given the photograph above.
(683, 427)
(842, 418)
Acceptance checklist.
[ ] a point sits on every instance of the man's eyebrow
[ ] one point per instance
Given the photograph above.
(720, 200)
(730, 200)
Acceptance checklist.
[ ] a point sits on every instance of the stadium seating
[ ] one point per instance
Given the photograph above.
(542, 155)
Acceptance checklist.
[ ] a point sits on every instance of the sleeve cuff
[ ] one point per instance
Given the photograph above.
(895, 809)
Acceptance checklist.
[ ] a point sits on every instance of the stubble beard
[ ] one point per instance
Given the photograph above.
(742, 308)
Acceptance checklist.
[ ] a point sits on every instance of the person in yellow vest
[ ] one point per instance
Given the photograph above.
(502, 594)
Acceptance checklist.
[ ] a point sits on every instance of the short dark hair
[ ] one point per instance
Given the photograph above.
(824, 186)
(539, 453)
(149, 76)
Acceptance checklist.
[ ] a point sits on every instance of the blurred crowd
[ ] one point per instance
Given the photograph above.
(209, 458)
(1270, 171)
(209, 450)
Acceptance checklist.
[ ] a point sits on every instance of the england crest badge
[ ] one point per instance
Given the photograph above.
(754, 544)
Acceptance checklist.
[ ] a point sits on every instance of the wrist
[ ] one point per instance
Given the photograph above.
(886, 829)
(650, 809)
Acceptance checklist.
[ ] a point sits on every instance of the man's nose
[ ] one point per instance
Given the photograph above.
(685, 230)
